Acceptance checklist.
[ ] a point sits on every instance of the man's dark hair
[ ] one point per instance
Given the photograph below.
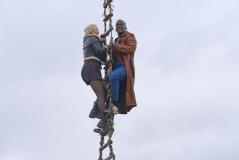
(122, 21)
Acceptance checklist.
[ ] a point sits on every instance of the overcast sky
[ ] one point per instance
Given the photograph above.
(187, 74)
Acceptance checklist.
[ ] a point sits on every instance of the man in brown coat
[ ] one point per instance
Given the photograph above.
(122, 76)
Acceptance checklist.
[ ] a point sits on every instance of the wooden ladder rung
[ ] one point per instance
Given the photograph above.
(106, 145)
(107, 17)
(107, 3)
(110, 157)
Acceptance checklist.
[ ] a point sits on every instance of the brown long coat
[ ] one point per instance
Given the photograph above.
(124, 49)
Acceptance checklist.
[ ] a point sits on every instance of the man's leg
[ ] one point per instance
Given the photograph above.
(116, 76)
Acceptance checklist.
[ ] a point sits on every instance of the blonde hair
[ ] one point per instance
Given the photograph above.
(90, 29)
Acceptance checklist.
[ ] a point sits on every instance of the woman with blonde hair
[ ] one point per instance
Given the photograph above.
(95, 53)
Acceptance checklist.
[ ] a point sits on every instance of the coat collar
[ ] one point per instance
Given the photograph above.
(123, 35)
(93, 35)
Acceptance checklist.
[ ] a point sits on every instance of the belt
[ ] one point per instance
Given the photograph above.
(95, 58)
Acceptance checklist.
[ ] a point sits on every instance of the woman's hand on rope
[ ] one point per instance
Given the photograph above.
(102, 38)
(103, 35)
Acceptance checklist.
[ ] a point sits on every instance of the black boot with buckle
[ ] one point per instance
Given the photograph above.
(103, 123)
(95, 113)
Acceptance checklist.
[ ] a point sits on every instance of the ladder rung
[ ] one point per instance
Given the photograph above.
(106, 145)
(108, 17)
(107, 3)
(102, 132)
(110, 157)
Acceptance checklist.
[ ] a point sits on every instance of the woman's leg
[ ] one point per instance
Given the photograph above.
(98, 88)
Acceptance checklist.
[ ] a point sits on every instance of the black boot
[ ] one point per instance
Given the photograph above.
(95, 113)
(103, 123)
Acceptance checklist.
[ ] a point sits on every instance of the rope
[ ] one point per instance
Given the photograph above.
(108, 28)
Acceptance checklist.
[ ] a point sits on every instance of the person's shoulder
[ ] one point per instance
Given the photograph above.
(92, 38)
(129, 34)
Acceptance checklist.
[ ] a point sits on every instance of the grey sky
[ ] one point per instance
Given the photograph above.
(186, 80)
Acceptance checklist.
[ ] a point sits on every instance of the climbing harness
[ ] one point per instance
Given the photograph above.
(108, 28)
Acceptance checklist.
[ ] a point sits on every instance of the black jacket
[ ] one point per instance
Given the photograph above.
(92, 46)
